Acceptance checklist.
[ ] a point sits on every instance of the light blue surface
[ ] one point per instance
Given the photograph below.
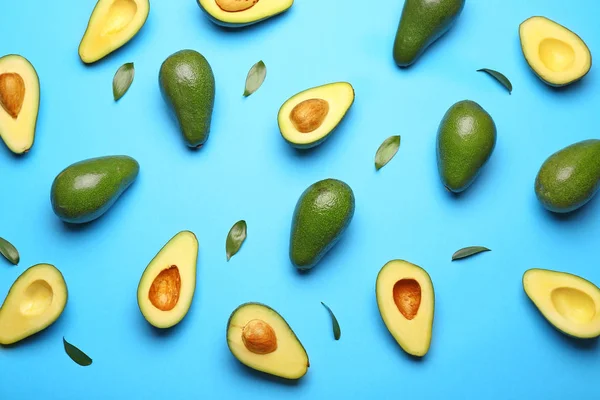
(489, 342)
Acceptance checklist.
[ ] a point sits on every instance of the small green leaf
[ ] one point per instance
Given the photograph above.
(235, 238)
(122, 80)
(499, 77)
(468, 252)
(386, 151)
(9, 251)
(76, 355)
(256, 77)
(334, 323)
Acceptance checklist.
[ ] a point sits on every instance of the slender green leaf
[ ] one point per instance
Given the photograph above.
(468, 252)
(122, 80)
(256, 77)
(386, 151)
(235, 238)
(9, 251)
(334, 323)
(76, 355)
(499, 77)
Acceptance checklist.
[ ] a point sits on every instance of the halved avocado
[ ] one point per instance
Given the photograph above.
(261, 339)
(167, 286)
(570, 303)
(112, 24)
(557, 55)
(406, 303)
(307, 118)
(19, 102)
(34, 302)
(238, 13)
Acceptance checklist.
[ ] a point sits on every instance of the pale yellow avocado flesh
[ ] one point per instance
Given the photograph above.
(34, 302)
(570, 303)
(112, 24)
(277, 350)
(406, 302)
(19, 102)
(244, 12)
(168, 283)
(556, 54)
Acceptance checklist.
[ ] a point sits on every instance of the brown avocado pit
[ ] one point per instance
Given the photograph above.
(407, 296)
(309, 114)
(12, 93)
(165, 289)
(235, 5)
(259, 337)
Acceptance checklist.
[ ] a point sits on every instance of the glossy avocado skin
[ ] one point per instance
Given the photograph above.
(465, 141)
(569, 178)
(422, 23)
(322, 214)
(85, 190)
(187, 84)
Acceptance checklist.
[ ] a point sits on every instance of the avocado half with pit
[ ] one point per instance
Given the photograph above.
(570, 303)
(239, 13)
(261, 339)
(36, 299)
(19, 102)
(167, 285)
(112, 24)
(406, 303)
(307, 118)
(557, 55)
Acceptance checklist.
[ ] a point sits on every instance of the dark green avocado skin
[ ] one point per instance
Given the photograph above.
(465, 141)
(322, 214)
(85, 190)
(422, 23)
(569, 178)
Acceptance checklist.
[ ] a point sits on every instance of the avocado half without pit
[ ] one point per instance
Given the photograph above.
(557, 55)
(239, 13)
(570, 303)
(406, 303)
(307, 118)
(261, 339)
(36, 299)
(112, 24)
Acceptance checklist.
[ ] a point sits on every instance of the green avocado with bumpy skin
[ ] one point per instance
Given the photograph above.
(322, 214)
(187, 84)
(85, 190)
(422, 23)
(569, 178)
(465, 141)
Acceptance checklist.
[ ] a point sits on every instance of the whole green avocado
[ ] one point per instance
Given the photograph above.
(465, 140)
(322, 214)
(187, 84)
(85, 190)
(422, 23)
(570, 177)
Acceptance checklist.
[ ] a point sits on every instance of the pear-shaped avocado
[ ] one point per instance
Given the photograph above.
(85, 190)
(570, 177)
(239, 13)
(465, 141)
(422, 23)
(187, 84)
(322, 214)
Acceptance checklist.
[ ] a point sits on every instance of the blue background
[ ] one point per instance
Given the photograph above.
(489, 342)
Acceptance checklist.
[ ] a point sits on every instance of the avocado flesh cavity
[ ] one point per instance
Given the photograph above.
(19, 103)
(167, 286)
(422, 23)
(569, 178)
(322, 215)
(261, 339)
(85, 190)
(557, 55)
(570, 303)
(187, 84)
(240, 13)
(406, 302)
(34, 302)
(307, 118)
(465, 141)
(112, 24)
